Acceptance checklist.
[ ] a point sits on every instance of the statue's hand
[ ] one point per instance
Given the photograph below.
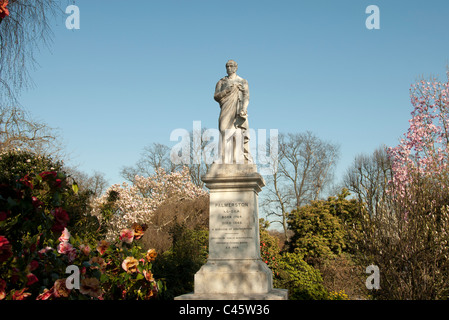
(243, 114)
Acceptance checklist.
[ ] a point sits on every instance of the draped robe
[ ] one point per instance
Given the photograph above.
(231, 104)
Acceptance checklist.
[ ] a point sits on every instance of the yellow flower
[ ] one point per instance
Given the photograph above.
(148, 275)
(130, 264)
(151, 255)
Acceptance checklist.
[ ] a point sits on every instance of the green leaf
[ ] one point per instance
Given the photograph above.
(139, 276)
(75, 188)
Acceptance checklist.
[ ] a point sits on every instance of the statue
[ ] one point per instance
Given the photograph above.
(232, 93)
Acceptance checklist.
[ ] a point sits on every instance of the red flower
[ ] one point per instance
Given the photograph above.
(21, 295)
(26, 180)
(3, 10)
(44, 175)
(3, 215)
(58, 183)
(61, 219)
(36, 202)
(31, 279)
(5, 249)
(33, 265)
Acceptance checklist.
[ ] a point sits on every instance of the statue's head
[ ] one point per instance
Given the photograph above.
(231, 67)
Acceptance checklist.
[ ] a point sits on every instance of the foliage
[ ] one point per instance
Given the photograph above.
(318, 228)
(192, 214)
(343, 273)
(37, 210)
(19, 164)
(302, 280)
(178, 265)
(269, 247)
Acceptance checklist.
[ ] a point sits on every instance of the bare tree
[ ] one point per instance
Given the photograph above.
(368, 179)
(23, 32)
(153, 157)
(95, 184)
(157, 156)
(19, 130)
(305, 166)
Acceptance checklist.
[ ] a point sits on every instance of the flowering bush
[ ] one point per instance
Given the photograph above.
(36, 247)
(123, 205)
(338, 295)
(420, 161)
(408, 237)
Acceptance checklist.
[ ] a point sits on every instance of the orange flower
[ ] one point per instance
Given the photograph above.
(3, 10)
(60, 290)
(148, 275)
(151, 255)
(103, 245)
(138, 231)
(91, 287)
(100, 262)
(130, 264)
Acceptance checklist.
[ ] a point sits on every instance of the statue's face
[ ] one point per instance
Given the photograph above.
(231, 68)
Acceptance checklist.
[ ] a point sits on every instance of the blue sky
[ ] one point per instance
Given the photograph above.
(139, 69)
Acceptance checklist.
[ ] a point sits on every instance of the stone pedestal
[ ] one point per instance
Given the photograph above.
(234, 270)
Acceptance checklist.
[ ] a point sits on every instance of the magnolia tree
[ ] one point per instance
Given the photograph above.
(420, 161)
(408, 236)
(122, 205)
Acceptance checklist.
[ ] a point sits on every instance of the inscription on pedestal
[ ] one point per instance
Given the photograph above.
(232, 230)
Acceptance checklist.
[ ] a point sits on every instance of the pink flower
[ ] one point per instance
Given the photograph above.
(65, 236)
(127, 235)
(68, 250)
(43, 251)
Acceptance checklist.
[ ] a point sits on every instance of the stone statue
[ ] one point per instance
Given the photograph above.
(232, 93)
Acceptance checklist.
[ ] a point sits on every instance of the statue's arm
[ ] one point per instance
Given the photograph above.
(219, 92)
(245, 96)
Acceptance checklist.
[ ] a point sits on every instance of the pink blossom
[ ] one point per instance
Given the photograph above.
(127, 235)
(67, 249)
(65, 236)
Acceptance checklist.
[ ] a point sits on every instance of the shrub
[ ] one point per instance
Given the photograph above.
(178, 265)
(302, 280)
(36, 246)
